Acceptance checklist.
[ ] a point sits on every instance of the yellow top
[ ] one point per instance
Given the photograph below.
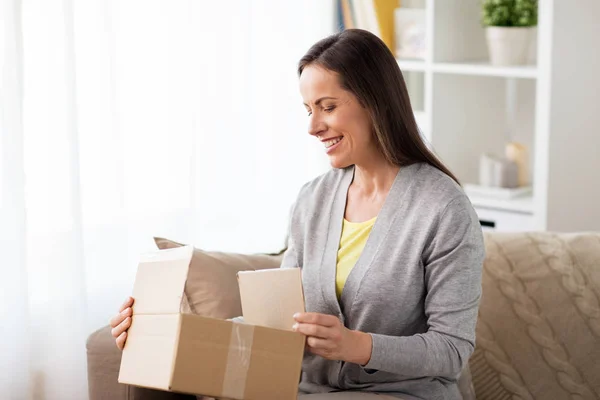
(354, 238)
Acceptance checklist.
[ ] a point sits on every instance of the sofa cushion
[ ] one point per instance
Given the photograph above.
(212, 287)
(465, 384)
(538, 333)
(103, 362)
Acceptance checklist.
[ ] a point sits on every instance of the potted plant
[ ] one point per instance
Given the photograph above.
(509, 26)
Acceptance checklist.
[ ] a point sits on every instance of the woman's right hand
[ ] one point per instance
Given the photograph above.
(121, 322)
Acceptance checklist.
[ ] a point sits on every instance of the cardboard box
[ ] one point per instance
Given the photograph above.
(170, 349)
(271, 297)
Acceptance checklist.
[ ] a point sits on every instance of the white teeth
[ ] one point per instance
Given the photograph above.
(331, 142)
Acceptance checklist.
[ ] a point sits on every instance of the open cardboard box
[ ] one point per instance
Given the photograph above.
(168, 348)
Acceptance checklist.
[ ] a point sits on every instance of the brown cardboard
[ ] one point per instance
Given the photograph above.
(170, 349)
(271, 297)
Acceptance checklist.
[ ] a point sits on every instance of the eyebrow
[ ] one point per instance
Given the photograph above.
(321, 99)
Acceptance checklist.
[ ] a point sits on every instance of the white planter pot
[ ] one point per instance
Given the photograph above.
(508, 45)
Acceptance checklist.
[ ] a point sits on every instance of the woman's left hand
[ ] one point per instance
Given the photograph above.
(330, 339)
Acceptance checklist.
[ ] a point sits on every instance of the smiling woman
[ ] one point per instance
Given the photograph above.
(390, 247)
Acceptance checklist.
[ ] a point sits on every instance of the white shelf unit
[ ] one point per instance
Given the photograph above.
(520, 205)
(485, 69)
(474, 68)
(466, 107)
(411, 65)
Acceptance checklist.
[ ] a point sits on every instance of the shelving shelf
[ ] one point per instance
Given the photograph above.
(412, 65)
(523, 205)
(485, 69)
(465, 107)
(475, 68)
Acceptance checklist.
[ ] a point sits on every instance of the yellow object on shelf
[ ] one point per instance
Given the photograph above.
(384, 10)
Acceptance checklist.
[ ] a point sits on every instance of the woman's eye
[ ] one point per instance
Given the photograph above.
(330, 109)
(309, 113)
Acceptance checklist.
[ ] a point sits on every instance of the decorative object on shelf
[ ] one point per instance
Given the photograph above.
(517, 153)
(499, 193)
(497, 171)
(509, 29)
(410, 32)
(503, 178)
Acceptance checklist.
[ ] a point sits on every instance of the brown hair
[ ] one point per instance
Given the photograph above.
(368, 69)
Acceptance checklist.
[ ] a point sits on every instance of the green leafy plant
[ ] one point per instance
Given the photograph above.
(509, 12)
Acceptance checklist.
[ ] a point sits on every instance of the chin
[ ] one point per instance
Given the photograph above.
(338, 162)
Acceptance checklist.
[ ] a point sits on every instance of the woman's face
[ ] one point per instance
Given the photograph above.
(336, 118)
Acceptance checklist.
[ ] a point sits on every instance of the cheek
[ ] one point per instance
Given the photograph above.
(359, 131)
(350, 124)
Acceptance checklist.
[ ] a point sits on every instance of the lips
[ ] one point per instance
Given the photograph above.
(331, 141)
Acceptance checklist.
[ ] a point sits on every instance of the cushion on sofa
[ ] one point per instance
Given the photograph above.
(538, 333)
(212, 287)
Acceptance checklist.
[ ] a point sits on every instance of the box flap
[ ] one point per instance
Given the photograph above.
(148, 356)
(160, 281)
(271, 297)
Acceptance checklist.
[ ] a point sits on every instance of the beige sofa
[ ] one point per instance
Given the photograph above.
(538, 334)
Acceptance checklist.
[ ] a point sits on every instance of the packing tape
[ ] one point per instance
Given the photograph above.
(238, 361)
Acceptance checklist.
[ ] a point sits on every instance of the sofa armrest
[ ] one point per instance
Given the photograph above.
(103, 362)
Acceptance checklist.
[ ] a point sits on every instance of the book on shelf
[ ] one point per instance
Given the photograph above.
(376, 16)
(347, 14)
(340, 21)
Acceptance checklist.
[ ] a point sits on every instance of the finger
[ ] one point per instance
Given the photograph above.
(316, 318)
(117, 319)
(318, 343)
(121, 340)
(122, 327)
(315, 330)
(127, 303)
(318, 352)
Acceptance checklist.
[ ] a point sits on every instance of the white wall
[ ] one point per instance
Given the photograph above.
(574, 139)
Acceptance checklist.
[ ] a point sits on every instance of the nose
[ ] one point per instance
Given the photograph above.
(315, 125)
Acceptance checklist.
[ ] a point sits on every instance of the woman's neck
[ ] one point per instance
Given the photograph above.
(374, 178)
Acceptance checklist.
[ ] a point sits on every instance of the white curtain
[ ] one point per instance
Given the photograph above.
(124, 119)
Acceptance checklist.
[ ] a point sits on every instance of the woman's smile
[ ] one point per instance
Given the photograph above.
(331, 143)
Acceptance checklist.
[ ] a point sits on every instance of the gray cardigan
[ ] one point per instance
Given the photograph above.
(415, 287)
